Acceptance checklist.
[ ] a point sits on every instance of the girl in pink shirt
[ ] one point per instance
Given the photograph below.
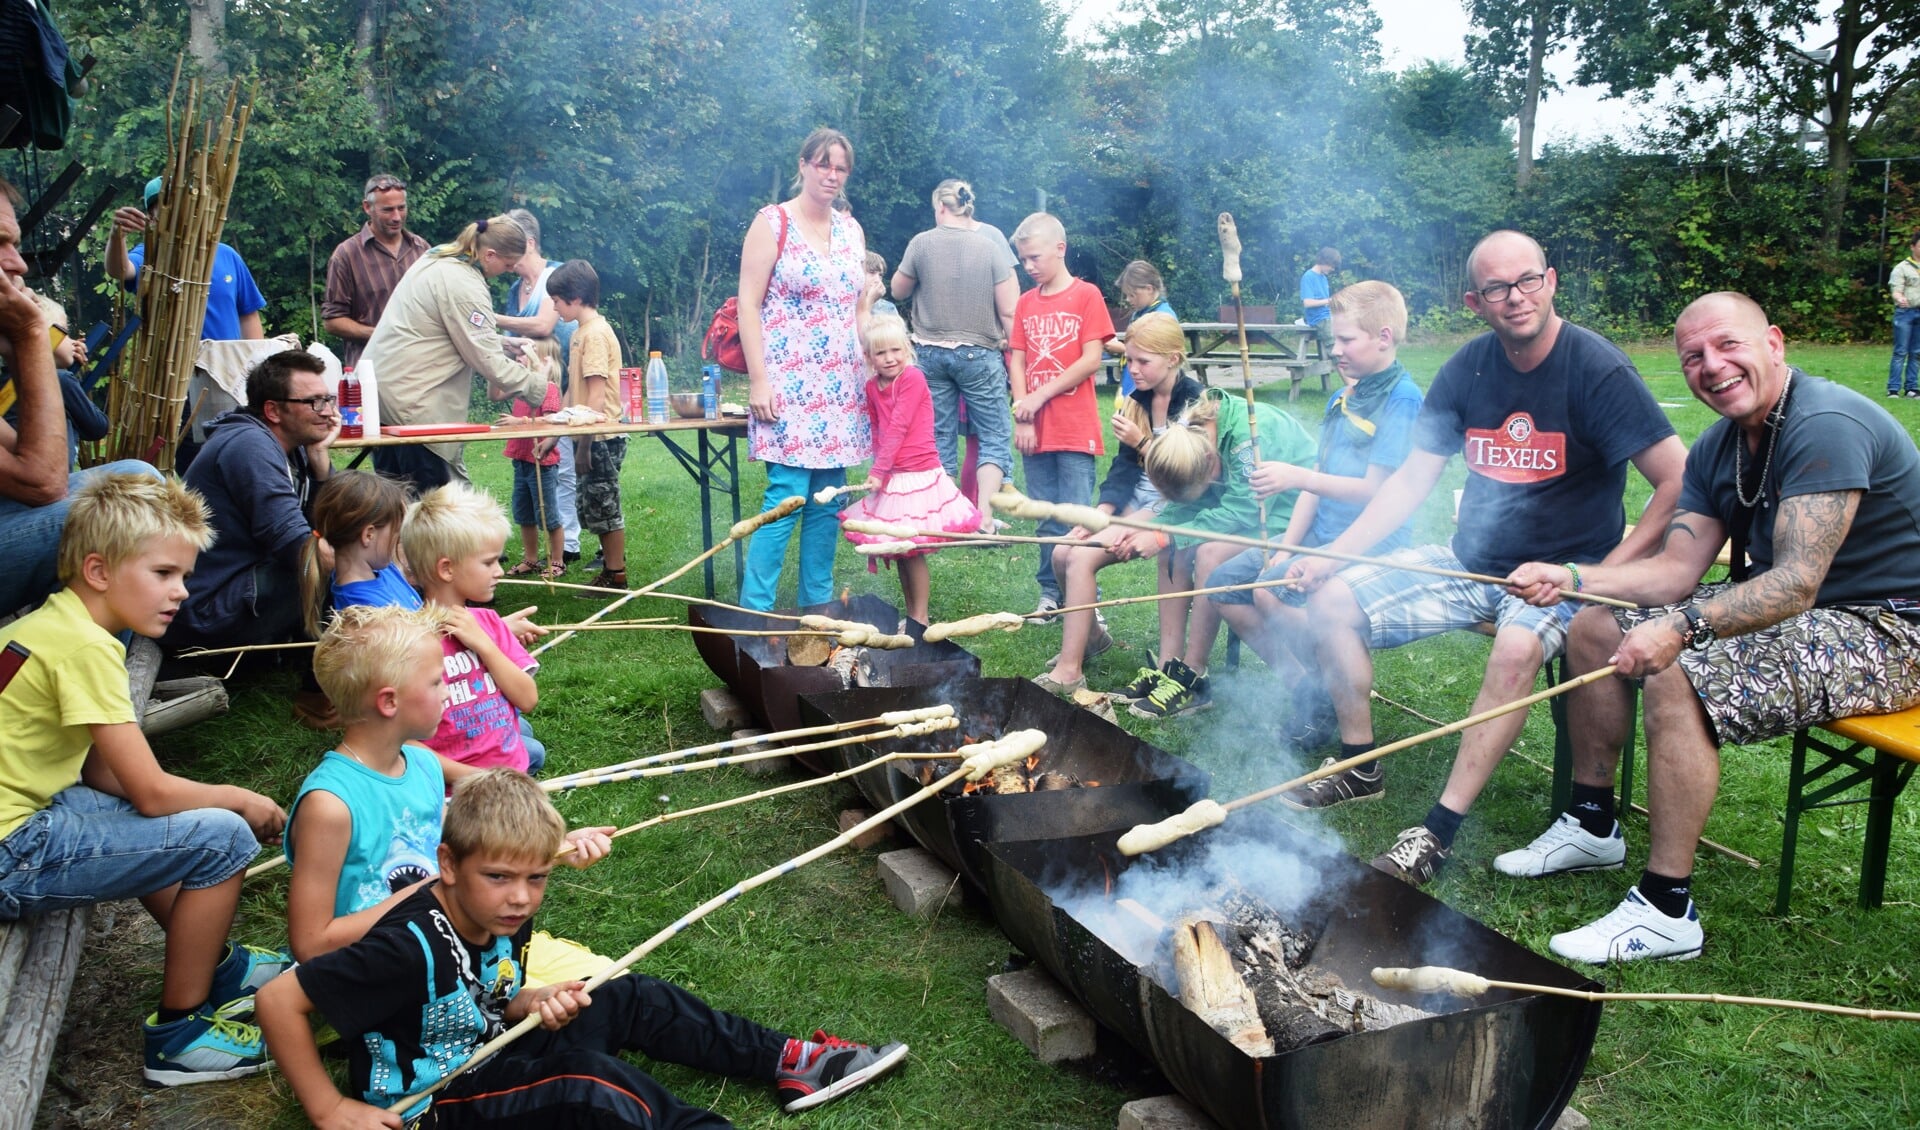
(909, 487)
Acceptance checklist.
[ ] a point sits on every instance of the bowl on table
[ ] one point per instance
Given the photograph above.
(686, 405)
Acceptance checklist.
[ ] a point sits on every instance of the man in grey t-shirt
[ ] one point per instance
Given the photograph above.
(962, 284)
(1820, 489)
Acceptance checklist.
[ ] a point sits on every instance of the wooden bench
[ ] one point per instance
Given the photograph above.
(38, 959)
(1831, 758)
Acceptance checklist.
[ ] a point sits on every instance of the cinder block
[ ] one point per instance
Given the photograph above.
(722, 710)
(1039, 1014)
(918, 883)
(883, 834)
(766, 766)
(1571, 1119)
(1164, 1112)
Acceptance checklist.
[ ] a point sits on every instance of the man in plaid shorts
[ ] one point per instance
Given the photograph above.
(1820, 490)
(1547, 416)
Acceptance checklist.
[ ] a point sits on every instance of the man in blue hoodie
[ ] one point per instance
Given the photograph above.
(258, 472)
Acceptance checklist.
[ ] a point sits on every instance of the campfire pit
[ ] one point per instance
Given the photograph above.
(758, 670)
(1092, 775)
(1344, 1052)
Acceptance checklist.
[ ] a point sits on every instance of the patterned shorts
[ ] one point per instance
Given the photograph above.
(598, 494)
(1823, 664)
(1403, 607)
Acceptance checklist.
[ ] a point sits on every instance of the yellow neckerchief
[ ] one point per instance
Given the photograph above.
(1353, 417)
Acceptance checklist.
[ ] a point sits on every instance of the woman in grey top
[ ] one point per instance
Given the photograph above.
(960, 276)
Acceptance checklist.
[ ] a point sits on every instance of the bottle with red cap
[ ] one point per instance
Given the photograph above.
(351, 426)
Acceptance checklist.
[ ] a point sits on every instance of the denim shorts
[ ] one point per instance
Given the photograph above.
(1403, 607)
(88, 847)
(536, 494)
(1245, 569)
(978, 376)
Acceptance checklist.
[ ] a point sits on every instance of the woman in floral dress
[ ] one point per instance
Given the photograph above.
(804, 300)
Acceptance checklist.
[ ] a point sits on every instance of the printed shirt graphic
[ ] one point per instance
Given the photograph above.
(1516, 451)
(395, 825)
(480, 726)
(814, 362)
(1052, 329)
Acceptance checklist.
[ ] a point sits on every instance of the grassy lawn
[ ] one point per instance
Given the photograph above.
(822, 947)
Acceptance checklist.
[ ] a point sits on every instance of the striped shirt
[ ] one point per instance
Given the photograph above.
(361, 276)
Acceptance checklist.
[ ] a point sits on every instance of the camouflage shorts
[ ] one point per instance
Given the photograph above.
(598, 494)
(1823, 664)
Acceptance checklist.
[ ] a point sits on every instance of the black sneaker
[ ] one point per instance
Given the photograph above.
(822, 1069)
(569, 556)
(1893, 394)
(1913, 394)
(1144, 681)
(1337, 789)
(1414, 858)
(1179, 691)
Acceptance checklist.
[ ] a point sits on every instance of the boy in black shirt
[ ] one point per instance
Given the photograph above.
(441, 974)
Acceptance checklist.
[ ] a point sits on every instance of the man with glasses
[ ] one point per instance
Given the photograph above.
(367, 265)
(1547, 416)
(258, 473)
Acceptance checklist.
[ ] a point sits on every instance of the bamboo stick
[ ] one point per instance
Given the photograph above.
(657, 622)
(978, 625)
(1440, 979)
(995, 754)
(741, 529)
(904, 533)
(1095, 519)
(607, 777)
(1208, 813)
(888, 720)
(1230, 271)
(681, 597)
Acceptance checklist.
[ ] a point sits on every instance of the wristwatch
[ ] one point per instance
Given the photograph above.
(1699, 629)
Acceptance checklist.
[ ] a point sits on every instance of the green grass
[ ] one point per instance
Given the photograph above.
(822, 948)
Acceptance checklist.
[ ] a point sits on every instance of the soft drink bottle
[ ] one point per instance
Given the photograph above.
(656, 389)
(710, 391)
(350, 426)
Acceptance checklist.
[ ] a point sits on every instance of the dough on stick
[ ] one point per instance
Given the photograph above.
(1431, 979)
(1199, 816)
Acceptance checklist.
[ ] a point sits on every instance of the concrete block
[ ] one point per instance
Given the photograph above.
(1164, 1112)
(869, 839)
(765, 767)
(723, 711)
(918, 883)
(1571, 1119)
(1039, 1014)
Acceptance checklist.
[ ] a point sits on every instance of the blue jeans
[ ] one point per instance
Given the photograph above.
(979, 377)
(88, 847)
(1056, 476)
(1906, 350)
(563, 496)
(819, 538)
(30, 538)
(536, 749)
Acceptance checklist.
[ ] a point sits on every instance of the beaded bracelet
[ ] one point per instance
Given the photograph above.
(1575, 570)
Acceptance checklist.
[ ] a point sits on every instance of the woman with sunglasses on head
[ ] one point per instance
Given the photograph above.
(804, 303)
(435, 335)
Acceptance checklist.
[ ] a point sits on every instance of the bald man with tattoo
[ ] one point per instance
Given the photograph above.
(1819, 489)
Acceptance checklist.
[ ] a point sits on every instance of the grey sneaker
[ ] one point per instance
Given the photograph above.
(1045, 609)
(822, 1069)
(1099, 642)
(1337, 789)
(1180, 690)
(1414, 858)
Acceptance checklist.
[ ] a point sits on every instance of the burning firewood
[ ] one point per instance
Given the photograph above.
(1211, 987)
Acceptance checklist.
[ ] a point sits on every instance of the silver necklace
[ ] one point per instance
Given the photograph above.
(1774, 419)
(355, 754)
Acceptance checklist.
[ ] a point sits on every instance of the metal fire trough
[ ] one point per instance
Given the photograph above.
(1138, 783)
(1506, 1060)
(756, 669)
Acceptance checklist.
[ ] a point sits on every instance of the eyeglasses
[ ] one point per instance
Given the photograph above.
(315, 404)
(1525, 284)
(828, 168)
(384, 184)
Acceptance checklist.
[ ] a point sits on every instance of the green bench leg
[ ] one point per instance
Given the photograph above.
(1790, 838)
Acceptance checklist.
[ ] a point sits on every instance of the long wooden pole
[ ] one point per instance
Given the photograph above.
(1230, 271)
(607, 777)
(993, 755)
(888, 720)
(681, 597)
(1458, 982)
(744, 528)
(1208, 813)
(1008, 621)
(1020, 506)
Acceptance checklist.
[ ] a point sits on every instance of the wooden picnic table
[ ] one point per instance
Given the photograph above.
(713, 465)
(1293, 346)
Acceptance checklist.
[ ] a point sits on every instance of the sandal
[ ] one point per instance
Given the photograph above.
(553, 572)
(525, 568)
(1054, 686)
(610, 579)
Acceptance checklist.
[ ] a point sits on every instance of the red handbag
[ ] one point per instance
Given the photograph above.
(722, 343)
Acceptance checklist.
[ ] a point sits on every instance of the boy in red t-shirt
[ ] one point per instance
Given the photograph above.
(1059, 330)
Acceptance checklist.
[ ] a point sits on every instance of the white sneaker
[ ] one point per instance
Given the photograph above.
(1634, 931)
(1565, 847)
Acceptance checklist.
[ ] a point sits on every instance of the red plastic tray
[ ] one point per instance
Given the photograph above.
(433, 429)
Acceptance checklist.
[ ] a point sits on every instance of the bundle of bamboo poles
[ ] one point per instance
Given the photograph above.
(148, 395)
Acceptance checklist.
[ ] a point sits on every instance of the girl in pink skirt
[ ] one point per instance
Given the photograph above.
(909, 487)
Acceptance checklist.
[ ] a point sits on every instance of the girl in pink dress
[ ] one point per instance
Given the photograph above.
(909, 486)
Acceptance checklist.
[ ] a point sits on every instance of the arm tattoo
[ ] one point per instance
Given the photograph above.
(1806, 535)
(1679, 525)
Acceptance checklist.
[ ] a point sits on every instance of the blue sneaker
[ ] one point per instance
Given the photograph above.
(201, 1047)
(240, 974)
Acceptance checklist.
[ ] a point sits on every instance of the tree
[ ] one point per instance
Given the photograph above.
(1536, 28)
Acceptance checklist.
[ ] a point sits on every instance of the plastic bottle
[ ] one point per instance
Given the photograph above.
(710, 391)
(369, 400)
(656, 389)
(350, 425)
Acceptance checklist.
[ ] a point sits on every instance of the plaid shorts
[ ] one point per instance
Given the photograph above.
(598, 494)
(1823, 664)
(1403, 607)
